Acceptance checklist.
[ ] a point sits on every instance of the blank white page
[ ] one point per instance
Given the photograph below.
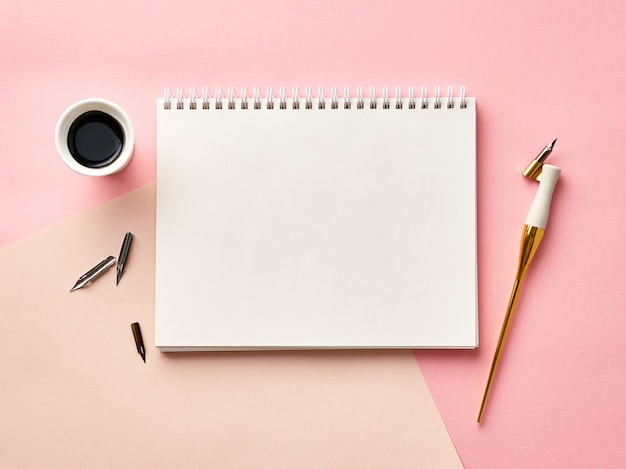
(315, 228)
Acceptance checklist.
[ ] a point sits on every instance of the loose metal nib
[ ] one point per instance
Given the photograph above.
(141, 350)
(123, 257)
(94, 273)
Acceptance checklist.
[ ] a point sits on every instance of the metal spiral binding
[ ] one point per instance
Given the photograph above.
(321, 99)
(233, 101)
(296, 97)
(231, 97)
(437, 97)
(257, 98)
(192, 99)
(179, 99)
(218, 98)
(398, 97)
(411, 97)
(244, 98)
(385, 97)
(205, 98)
(270, 98)
(424, 101)
(359, 98)
(166, 99)
(334, 100)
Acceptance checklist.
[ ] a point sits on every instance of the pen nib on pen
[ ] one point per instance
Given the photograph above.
(533, 170)
(551, 146)
(545, 152)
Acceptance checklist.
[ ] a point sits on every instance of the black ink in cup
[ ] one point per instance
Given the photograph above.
(95, 139)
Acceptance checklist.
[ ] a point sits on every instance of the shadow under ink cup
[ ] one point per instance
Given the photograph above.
(95, 137)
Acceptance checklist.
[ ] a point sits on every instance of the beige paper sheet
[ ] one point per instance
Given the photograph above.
(75, 393)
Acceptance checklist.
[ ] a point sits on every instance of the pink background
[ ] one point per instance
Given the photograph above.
(539, 70)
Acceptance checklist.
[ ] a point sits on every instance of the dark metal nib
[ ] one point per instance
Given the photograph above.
(141, 350)
(120, 271)
(123, 257)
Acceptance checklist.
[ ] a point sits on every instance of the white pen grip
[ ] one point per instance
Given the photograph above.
(540, 209)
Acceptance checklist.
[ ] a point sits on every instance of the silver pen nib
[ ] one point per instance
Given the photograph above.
(533, 170)
(94, 273)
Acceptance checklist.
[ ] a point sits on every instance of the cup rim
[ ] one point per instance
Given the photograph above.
(76, 110)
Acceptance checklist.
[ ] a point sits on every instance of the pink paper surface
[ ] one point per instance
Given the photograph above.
(539, 69)
(75, 388)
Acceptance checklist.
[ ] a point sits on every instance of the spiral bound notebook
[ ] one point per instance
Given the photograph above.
(300, 222)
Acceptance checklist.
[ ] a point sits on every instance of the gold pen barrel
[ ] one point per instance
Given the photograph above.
(531, 238)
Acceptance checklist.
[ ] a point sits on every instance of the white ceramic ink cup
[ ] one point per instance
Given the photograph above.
(95, 137)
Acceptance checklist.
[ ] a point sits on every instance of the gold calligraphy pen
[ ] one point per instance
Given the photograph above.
(535, 225)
